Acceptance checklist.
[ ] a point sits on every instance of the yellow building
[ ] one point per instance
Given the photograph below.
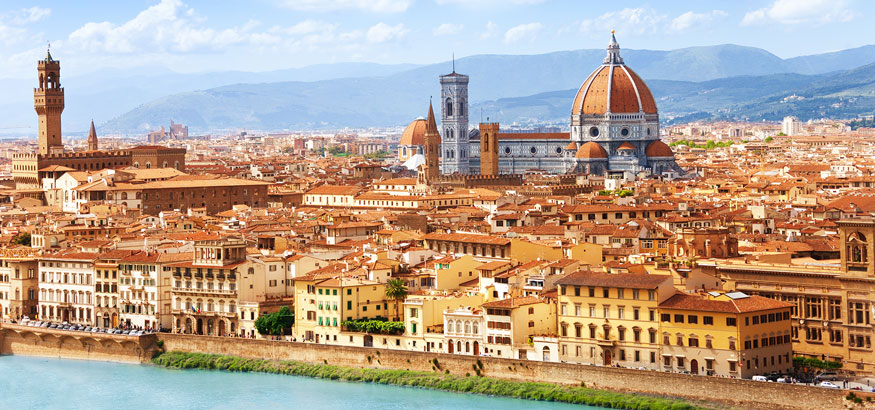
(607, 319)
(732, 334)
(451, 271)
(322, 304)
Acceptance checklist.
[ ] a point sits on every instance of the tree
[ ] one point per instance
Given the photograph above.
(275, 323)
(768, 140)
(22, 239)
(396, 291)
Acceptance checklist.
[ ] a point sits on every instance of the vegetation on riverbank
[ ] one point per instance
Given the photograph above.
(437, 381)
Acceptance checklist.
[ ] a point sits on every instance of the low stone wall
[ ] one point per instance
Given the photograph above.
(738, 393)
(35, 341)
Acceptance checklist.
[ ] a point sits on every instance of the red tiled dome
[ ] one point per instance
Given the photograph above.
(658, 149)
(628, 93)
(591, 150)
(626, 146)
(414, 134)
(614, 88)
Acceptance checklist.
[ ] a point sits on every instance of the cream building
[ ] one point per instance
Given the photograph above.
(66, 283)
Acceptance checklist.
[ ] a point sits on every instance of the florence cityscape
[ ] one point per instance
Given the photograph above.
(438, 204)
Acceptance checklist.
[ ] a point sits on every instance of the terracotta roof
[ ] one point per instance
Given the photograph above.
(534, 136)
(414, 134)
(616, 85)
(591, 150)
(334, 190)
(703, 303)
(626, 146)
(614, 280)
(467, 237)
(511, 303)
(658, 149)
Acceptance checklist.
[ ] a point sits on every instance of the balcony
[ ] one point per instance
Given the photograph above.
(606, 342)
(205, 291)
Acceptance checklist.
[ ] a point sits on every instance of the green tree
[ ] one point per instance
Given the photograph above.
(768, 140)
(22, 239)
(275, 323)
(396, 291)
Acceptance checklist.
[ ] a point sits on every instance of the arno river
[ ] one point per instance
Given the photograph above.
(39, 383)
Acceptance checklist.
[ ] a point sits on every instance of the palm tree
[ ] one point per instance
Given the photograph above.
(396, 290)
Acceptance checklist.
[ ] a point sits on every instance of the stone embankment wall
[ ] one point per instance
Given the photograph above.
(737, 393)
(35, 341)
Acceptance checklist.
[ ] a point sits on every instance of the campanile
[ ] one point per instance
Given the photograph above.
(48, 101)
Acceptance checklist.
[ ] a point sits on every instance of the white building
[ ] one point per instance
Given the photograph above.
(791, 126)
(463, 331)
(67, 288)
(144, 295)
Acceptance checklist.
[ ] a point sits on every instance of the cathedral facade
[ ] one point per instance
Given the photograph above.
(614, 129)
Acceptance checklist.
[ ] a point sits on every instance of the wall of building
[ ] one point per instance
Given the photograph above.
(741, 393)
(29, 341)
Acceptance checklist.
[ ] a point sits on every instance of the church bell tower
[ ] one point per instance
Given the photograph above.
(454, 121)
(48, 101)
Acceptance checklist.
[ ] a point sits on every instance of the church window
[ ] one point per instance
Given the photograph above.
(624, 132)
(558, 150)
(449, 107)
(533, 150)
(507, 150)
(594, 131)
(648, 131)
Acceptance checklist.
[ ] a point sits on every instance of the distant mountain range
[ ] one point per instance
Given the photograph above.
(724, 80)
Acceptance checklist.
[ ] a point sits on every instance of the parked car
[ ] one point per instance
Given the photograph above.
(759, 378)
(829, 385)
(827, 376)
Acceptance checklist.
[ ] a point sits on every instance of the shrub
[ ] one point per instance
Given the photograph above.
(446, 382)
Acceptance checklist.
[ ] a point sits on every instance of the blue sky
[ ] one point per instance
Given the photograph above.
(259, 35)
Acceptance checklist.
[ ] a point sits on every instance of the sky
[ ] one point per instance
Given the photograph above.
(263, 35)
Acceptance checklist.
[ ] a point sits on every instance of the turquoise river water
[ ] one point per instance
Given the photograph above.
(40, 383)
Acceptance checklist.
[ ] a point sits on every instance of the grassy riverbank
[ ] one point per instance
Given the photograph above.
(437, 381)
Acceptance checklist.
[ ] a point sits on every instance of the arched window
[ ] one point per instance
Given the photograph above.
(467, 326)
(449, 107)
(450, 326)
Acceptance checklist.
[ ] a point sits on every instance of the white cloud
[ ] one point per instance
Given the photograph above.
(377, 6)
(447, 29)
(522, 31)
(491, 30)
(168, 25)
(815, 12)
(691, 19)
(31, 15)
(382, 32)
(311, 33)
(635, 21)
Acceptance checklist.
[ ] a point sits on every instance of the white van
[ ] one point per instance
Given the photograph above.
(759, 378)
